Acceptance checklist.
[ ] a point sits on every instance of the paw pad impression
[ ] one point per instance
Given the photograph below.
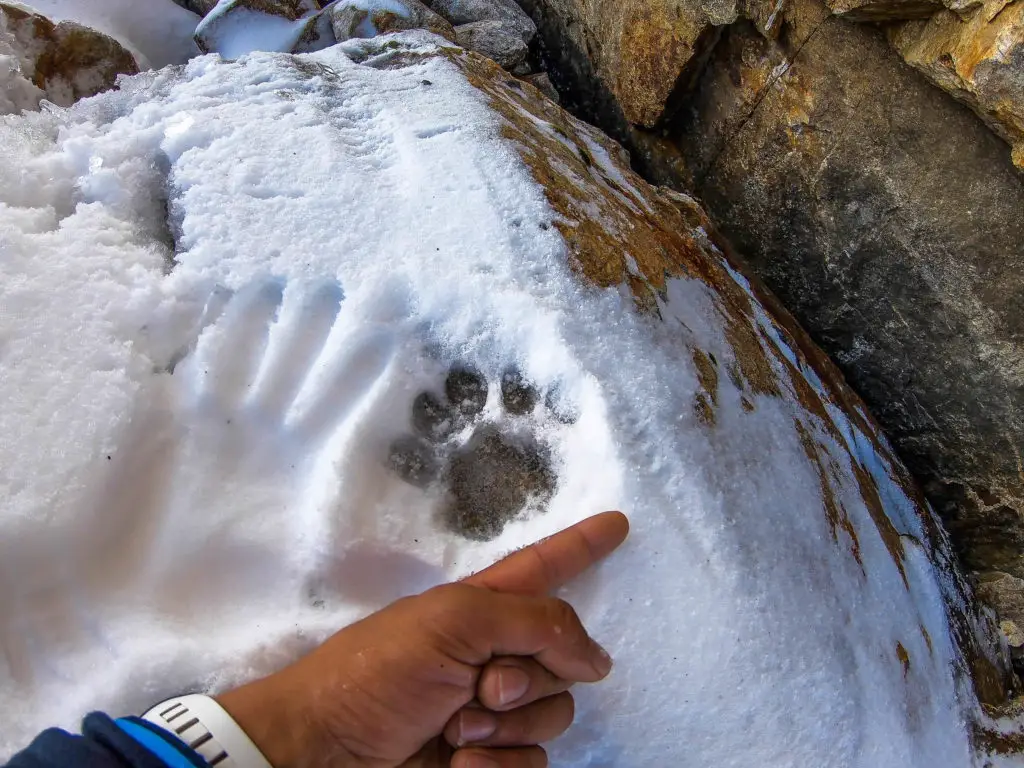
(498, 470)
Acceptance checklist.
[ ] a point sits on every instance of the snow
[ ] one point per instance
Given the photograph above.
(157, 32)
(194, 471)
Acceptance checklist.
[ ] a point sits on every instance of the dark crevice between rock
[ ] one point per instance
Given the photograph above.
(169, 230)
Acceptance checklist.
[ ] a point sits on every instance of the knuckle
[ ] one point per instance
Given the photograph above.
(449, 613)
(446, 602)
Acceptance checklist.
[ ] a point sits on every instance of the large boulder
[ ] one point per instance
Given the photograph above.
(978, 58)
(60, 62)
(787, 596)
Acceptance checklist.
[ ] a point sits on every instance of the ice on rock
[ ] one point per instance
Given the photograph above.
(226, 290)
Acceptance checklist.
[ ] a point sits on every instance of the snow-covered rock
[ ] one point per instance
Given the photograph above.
(287, 269)
(236, 27)
(368, 18)
(460, 12)
(496, 40)
(61, 62)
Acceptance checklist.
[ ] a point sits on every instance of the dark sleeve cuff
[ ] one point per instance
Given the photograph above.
(104, 743)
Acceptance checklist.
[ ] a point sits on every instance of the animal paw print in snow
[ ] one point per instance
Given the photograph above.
(497, 472)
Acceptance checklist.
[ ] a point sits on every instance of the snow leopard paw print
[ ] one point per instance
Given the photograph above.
(492, 468)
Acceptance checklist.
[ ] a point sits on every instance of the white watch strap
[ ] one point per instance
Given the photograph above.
(202, 723)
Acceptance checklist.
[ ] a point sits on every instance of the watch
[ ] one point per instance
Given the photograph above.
(202, 723)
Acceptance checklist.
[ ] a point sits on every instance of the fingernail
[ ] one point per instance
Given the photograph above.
(480, 761)
(475, 725)
(602, 661)
(513, 683)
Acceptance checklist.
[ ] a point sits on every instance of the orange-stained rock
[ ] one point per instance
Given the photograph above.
(65, 61)
(978, 58)
(640, 51)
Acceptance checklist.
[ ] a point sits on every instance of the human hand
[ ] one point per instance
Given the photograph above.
(463, 674)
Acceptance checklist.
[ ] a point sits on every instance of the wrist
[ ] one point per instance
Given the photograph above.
(272, 722)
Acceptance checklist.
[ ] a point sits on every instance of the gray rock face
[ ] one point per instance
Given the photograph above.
(494, 39)
(460, 12)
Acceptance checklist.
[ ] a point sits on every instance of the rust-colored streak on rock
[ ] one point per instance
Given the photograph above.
(927, 640)
(707, 373)
(655, 52)
(904, 657)
(835, 512)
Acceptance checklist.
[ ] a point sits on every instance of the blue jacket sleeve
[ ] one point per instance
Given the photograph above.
(106, 743)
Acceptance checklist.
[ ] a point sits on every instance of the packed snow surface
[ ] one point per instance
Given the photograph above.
(195, 464)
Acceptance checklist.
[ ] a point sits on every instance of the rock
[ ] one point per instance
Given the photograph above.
(495, 40)
(201, 7)
(543, 83)
(639, 53)
(317, 34)
(884, 10)
(896, 10)
(460, 12)
(1007, 592)
(17, 91)
(978, 59)
(368, 18)
(236, 27)
(61, 62)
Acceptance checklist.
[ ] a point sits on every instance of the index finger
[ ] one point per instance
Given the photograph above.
(545, 566)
